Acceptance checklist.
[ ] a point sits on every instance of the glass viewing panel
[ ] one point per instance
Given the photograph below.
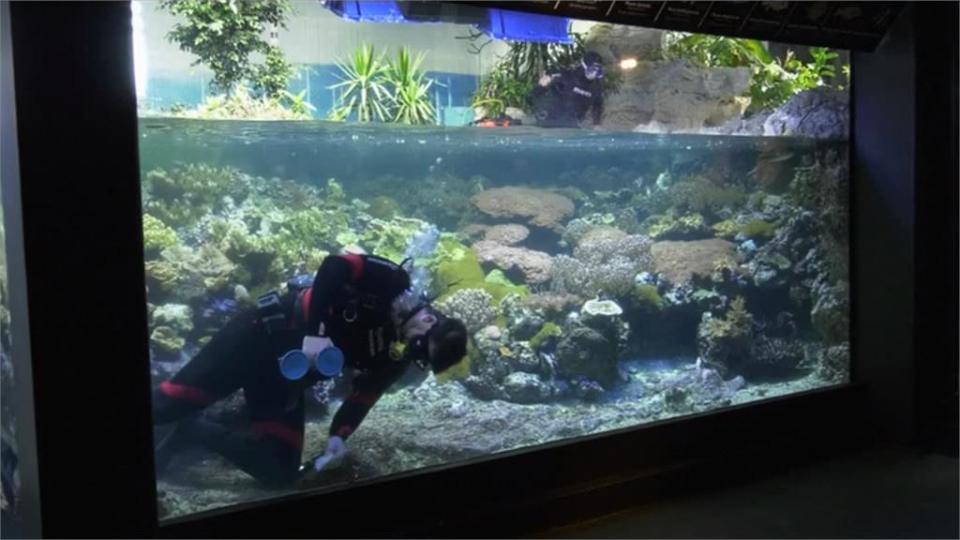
(627, 224)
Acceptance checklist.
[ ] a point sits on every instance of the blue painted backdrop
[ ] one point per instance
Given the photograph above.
(449, 89)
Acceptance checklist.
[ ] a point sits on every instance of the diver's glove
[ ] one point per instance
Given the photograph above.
(333, 457)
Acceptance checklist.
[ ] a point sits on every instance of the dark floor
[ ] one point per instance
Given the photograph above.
(876, 493)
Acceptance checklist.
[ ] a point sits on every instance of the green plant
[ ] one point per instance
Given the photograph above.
(271, 77)
(710, 51)
(241, 104)
(500, 90)
(224, 33)
(411, 90)
(298, 103)
(363, 90)
(774, 81)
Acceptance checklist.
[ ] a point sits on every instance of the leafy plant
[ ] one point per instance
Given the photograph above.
(376, 89)
(411, 90)
(774, 80)
(223, 34)
(500, 90)
(298, 103)
(363, 87)
(271, 77)
(243, 105)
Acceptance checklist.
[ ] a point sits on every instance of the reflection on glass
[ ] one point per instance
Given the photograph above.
(9, 468)
(449, 245)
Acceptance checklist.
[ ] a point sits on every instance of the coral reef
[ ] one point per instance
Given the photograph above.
(546, 336)
(507, 235)
(455, 266)
(584, 352)
(383, 207)
(607, 264)
(831, 312)
(680, 261)
(472, 306)
(157, 236)
(553, 303)
(647, 296)
(184, 194)
(668, 226)
(389, 239)
(725, 343)
(523, 387)
(696, 195)
(534, 266)
(539, 207)
(834, 364)
(773, 357)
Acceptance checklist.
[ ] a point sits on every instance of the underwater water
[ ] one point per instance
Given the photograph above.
(606, 279)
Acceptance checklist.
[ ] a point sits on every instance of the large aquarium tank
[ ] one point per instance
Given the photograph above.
(633, 225)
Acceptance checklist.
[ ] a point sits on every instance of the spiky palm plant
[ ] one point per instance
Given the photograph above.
(363, 90)
(411, 90)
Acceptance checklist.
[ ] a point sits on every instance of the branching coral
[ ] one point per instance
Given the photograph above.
(156, 236)
(608, 264)
(472, 306)
(184, 194)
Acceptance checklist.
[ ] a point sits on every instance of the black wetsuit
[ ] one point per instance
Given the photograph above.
(351, 295)
(564, 102)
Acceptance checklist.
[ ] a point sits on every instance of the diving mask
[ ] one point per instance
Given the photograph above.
(593, 71)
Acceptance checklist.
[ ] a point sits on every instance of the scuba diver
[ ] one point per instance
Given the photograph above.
(562, 99)
(358, 308)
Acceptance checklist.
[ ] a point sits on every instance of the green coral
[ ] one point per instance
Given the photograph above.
(182, 195)
(736, 324)
(390, 239)
(647, 295)
(305, 237)
(167, 339)
(460, 370)
(254, 252)
(161, 277)
(758, 229)
(335, 193)
(383, 207)
(497, 276)
(701, 295)
(668, 227)
(455, 266)
(727, 228)
(156, 236)
(545, 334)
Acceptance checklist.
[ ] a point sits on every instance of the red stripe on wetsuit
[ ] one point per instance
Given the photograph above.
(356, 266)
(285, 433)
(352, 412)
(183, 392)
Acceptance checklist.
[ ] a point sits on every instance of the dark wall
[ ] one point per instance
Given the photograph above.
(905, 226)
(883, 228)
(77, 136)
(936, 268)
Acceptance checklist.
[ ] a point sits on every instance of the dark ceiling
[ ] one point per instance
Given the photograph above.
(846, 25)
